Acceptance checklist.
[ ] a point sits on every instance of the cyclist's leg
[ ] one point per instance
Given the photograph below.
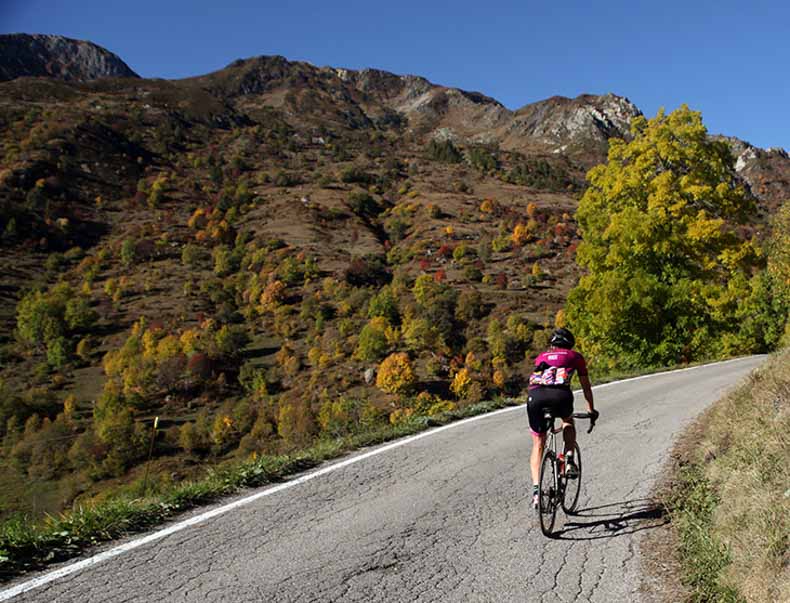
(565, 410)
(535, 415)
(568, 433)
(538, 443)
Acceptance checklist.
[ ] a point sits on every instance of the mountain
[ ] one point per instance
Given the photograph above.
(39, 55)
(575, 127)
(765, 171)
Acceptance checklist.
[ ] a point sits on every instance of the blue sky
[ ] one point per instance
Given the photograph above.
(727, 59)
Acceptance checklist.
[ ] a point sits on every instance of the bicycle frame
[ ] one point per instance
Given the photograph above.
(553, 487)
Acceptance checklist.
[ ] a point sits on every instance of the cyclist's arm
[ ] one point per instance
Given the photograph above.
(587, 389)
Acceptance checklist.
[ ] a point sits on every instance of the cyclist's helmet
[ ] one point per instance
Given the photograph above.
(562, 338)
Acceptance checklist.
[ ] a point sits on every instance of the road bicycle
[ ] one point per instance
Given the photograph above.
(557, 490)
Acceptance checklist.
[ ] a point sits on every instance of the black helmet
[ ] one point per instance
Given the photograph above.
(562, 338)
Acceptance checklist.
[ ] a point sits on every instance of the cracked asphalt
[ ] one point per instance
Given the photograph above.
(443, 518)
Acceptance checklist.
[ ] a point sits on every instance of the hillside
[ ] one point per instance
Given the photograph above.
(237, 253)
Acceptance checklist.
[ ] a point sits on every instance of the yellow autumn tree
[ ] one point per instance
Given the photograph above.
(396, 374)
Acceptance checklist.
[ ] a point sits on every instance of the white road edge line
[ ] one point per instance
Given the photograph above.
(181, 525)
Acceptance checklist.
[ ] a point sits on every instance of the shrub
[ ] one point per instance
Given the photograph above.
(187, 437)
(473, 273)
(460, 252)
(444, 151)
(373, 342)
(521, 235)
(470, 306)
(192, 255)
(356, 174)
(384, 304)
(287, 179)
(338, 417)
(223, 264)
(396, 229)
(396, 374)
(482, 158)
(230, 340)
(295, 423)
(127, 252)
(84, 349)
(367, 270)
(462, 382)
(78, 314)
(362, 204)
(501, 244)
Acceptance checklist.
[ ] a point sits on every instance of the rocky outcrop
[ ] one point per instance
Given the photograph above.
(765, 171)
(585, 119)
(55, 56)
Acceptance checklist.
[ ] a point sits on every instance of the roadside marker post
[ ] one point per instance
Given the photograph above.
(150, 453)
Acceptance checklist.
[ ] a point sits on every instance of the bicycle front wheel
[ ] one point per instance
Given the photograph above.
(547, 502)
(573, 487)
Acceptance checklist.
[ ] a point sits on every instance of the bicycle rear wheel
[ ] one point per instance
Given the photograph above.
(547, 500)
(570, 497)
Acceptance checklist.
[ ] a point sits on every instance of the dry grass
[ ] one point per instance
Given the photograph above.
(733, 510)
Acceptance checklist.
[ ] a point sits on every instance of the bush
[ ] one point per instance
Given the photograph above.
(444, 151)
(127, 252)
(396, 229)
(384, 304)
(287, 179)
(373, 342)
(367, 270)
(363, 205)
(295, 422)
(223, 264)
(192, 255)
(396, 374)
(78, 314)
(470, 306)
(230, 341)
(57, 352)
(338, 417)
(482, 158)
(356, 174)
(473, 273)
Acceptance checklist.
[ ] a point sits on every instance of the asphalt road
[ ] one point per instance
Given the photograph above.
(444, 517)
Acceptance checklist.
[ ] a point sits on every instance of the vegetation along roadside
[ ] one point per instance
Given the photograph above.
(729, 493)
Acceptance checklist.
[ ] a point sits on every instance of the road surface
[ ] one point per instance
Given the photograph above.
(440, 517)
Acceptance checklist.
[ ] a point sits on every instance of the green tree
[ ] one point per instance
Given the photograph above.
(127, 252)
(373, 344)
(666, 262)
(384, 304)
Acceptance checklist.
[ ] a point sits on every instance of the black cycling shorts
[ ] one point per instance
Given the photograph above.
(559, 400)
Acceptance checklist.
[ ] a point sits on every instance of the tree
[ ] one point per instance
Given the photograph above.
(396, 374)
(373, 342)
(666, 260)
(127, 252)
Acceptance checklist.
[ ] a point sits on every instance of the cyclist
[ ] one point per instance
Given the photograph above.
(550, 389)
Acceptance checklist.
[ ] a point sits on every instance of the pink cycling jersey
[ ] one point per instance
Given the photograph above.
(555, 367)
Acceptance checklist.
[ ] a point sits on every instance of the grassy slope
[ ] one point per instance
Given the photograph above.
(730, 497)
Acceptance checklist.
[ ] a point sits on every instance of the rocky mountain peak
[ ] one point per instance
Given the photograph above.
(40, 55)
(587, 118)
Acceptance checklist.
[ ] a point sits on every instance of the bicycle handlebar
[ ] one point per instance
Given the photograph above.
(585, 415)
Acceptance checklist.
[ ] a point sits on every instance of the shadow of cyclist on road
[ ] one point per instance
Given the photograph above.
(614, 519)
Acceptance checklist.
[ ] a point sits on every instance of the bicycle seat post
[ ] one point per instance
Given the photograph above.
(548, 422)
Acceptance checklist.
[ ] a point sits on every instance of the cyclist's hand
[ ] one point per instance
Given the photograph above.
(594, 414)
